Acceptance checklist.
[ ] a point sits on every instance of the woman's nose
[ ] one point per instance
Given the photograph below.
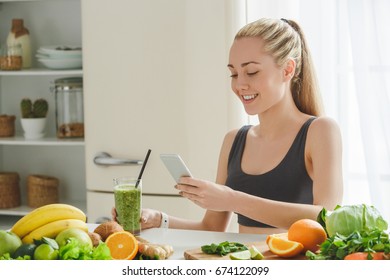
(241, 84)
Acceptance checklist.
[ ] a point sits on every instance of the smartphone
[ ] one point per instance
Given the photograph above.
(175, 166)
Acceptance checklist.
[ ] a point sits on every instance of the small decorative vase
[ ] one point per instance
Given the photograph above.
(34, 128)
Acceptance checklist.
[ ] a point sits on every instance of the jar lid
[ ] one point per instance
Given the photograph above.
(68, 83)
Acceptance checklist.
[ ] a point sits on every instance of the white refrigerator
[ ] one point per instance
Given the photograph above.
(155, 77)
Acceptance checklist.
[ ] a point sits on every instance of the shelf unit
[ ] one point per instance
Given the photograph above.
(48, 141)
(41, 72)
(61, 158)
(23, 209)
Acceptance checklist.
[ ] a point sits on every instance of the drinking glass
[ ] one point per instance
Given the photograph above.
(128, 203)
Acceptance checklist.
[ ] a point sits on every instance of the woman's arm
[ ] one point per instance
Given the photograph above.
(324, 154)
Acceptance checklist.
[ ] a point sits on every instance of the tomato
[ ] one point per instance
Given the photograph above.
(363, 256)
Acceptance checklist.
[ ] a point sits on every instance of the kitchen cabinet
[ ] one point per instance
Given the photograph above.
(156, 80)
(50, 22)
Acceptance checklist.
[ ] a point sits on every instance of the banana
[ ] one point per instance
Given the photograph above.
(46, 214)
(52, 229)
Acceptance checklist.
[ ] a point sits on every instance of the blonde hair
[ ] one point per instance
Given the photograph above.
(283, 39)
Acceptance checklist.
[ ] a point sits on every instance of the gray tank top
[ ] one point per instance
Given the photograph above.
(287, 182)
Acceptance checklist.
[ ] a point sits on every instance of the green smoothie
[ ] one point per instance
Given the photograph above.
(128, 207)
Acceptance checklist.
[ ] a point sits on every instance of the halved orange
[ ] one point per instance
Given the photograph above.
(123, 245)
(283, 247)
(283, 235)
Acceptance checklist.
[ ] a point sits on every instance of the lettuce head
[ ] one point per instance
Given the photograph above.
(347, 219)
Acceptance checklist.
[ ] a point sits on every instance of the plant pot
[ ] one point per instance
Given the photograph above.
(34, 128)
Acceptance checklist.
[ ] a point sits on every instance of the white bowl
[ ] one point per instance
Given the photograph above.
(41, 54)
(60, 50)
(66, 63)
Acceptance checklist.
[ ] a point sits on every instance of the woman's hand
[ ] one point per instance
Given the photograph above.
(150, 218)
(206, 194)
(113, 214)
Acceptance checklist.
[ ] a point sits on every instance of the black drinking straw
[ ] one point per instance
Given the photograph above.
(143, 167)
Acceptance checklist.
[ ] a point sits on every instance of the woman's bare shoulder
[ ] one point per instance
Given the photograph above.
(230, 136)
(323, 129)
(324, 124)
(228, 140)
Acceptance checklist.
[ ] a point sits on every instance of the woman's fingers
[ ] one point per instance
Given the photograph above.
(187, 189)
(113, 213)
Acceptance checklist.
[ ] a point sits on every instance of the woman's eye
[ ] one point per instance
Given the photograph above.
(252, 73)
(233, 76)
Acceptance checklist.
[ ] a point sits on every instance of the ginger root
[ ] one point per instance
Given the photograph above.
(155, 251)
(95, 238)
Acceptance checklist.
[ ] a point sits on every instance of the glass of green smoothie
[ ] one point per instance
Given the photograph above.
(128, 195)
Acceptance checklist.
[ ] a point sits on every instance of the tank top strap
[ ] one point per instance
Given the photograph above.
(297, 149)
(238, 146)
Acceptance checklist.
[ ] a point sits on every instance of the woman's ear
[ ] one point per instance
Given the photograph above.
(289, 69)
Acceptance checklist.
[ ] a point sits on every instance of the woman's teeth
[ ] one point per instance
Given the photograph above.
(249, 97)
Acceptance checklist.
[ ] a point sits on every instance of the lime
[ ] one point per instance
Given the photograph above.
(255, 253)
(25, 250)
(243, 255)
(45, 252)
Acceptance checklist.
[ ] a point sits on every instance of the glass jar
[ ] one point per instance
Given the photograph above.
(69, 107)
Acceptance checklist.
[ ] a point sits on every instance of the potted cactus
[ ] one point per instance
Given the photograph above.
(34, 117)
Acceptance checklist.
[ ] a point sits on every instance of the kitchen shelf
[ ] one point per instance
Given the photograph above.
(41, 72)
(19, 0)
(49, 141)
(52, 156)
(24, 209)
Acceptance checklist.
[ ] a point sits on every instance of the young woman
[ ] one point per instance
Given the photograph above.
(287, 167)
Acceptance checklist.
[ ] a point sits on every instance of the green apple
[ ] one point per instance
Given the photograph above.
(45, 252)
(76, 233)
(9, 242)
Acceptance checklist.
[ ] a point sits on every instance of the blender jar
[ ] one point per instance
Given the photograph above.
(69, 107)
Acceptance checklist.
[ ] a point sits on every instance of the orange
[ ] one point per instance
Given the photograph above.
(283, 247)
(308, 232)
(280, 235)
(364, 256)
(123, 245)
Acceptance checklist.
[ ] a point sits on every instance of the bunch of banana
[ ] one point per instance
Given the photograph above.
(48, 221)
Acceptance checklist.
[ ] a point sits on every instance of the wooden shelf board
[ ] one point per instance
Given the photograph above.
(49, 141)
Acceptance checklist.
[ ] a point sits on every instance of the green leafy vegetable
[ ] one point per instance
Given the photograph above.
(47, 240)
(73, 250)
(7, 256)
(347, 219)
(223, 248)
(146, 258)
(339, 246)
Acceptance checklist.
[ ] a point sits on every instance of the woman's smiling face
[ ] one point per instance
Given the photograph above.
(256, 79)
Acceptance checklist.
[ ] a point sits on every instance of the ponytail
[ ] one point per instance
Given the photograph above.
(304, 86)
